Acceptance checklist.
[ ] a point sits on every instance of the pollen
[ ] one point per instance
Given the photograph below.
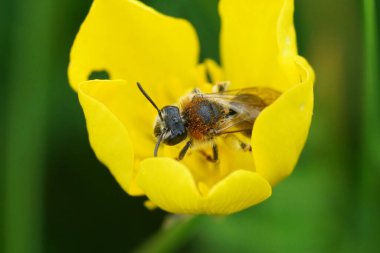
(201, 117)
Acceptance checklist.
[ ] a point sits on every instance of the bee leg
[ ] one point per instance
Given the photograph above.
(196, 91)
(214, 158)
(245, 147)
(220, 86)
(184, 150)
(215, 153)
(236, 142)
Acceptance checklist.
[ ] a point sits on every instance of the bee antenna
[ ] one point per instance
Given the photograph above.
(150, 100)
(158, 144)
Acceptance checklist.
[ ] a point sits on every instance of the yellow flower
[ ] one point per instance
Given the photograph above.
(134, 43)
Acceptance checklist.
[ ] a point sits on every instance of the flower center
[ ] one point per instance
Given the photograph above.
(210, 132)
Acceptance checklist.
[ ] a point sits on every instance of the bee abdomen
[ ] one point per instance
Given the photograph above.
(201, 117)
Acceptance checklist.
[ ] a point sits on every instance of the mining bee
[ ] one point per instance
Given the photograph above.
(201, 117)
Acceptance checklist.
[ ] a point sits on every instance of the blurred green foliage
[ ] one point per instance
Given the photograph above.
(57, 197)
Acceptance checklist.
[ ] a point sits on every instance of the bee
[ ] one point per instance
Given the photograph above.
(202, 117)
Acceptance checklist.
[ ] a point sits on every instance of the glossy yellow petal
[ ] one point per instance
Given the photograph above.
(240, 190)
(171, 186)
(120, 126)
(280, 131)
(134, 42)
(215, 72)
(206, 173)
(258, 43)
(108, 137)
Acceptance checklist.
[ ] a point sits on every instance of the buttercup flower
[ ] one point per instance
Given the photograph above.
(135, 43)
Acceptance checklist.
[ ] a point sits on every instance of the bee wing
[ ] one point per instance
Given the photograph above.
(242, 106)
(234, 124)
(263, 94)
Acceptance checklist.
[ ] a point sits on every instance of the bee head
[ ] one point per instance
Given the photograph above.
(170, 126)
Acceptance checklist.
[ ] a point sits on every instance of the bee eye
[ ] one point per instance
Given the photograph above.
(174, 125)
(175, 136)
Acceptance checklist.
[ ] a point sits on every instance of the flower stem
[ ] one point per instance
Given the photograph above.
(170, 239)
(371, 103)
(26, 127)
(370, 159)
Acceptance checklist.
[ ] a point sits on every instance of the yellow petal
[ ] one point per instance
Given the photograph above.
(120, 132)
(240, 190)
(170, 185)
(150, 205)
(214, 71)
(206, 173)
(258, 43)
(134, 42)
(280, 131)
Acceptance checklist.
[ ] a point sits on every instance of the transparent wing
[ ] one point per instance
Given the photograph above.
(262, 94)
(242, 107)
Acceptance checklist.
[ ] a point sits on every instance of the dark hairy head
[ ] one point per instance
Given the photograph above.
(173, 127)
(170, 127)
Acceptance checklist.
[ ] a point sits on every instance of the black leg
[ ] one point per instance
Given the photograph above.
(245, 147)
(233, 140)
(215, 152)
(210, 158)
(220, 87)
(184, 150)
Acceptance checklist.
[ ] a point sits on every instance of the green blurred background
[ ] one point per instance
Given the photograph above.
(56, 196)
